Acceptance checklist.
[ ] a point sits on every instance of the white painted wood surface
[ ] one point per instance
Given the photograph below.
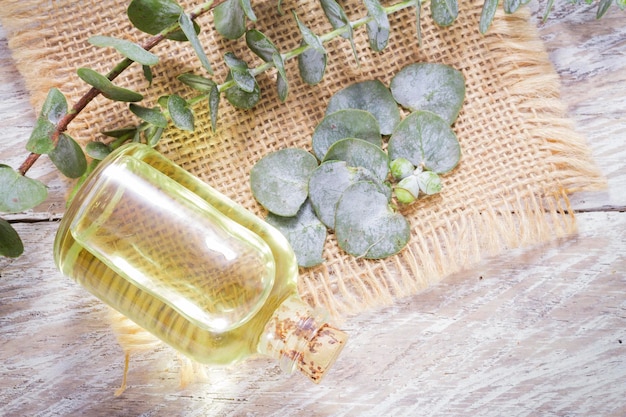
(536, 332)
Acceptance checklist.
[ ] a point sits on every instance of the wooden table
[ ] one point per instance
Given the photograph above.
(539, 331)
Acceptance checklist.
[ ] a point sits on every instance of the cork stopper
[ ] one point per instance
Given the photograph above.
(301, 339)
(322, 351)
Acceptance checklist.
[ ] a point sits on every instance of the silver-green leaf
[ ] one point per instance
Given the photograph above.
(280, 180)
(365, 224)
(181, 114)
(106, 87)
(426, 140)
(305, 232)
(189, 30)
(378, 28)
(230, 19)
(68, 157)
(129, 49)
(444, 12)
(342, 124)
(434, 87)
(153, 116)
(328, 182)
(372, 96)
(360, 153)
(10, 243)
(19, 193)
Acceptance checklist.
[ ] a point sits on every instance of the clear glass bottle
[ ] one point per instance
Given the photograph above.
(191, 266)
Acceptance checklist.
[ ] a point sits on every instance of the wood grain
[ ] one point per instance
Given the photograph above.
(539, 331)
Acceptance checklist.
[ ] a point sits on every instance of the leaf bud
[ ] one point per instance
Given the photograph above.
(407, 190)
(401, 168)
(429, 182)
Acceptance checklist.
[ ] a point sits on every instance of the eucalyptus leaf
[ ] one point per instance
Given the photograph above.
(426, 140)
(444, 12)
(106, 87)
(153, 135)
(68, 157)
(305, 233)
(339, 20)
(240, 73)
(129, 49)
(153, 116)
(360, 153)
(511, 6)
(55, 106)
(346, 123)
(181, 114)
(261, 45)
(378, 28)
(188, 29)
(282, 85)
(121, 133)
(240, 98)
(230, 19)
(53, 110)
(19, 193)
(147, 73)
(154, 16)
(280, 180)
(418, 19)
(328, 182)
(437, 88)
(247, 10)
(372, 96)
(308, 37)
(197, 82)
(10, 243)
(487, 14)
(40, 138)
(603, 7)
(97, 150)
(365, 224)
(312, 66)
(214, 104)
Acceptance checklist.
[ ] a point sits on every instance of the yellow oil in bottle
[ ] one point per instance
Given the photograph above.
(189, 265)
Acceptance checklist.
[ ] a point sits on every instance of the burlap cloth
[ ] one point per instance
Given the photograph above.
(520, 155)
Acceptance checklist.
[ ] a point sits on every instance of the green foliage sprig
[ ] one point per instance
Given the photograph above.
(166, 19)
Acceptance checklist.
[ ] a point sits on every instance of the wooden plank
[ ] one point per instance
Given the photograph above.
(538, 330)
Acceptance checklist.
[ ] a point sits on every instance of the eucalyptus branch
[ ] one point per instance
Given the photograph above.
(117, 70)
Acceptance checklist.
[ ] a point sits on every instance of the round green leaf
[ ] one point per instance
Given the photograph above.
(426, 140)
(359, 153)
(240, 98)
(329, 181)
(365, 224)
(280, 180)
(10, 243)
(230, 19)
(371, 96)
(98, 150)
(305, 232)
(444, 12)
(153, 16)
(437, 88)
(68, 157)
(19, 193)
(347, 123)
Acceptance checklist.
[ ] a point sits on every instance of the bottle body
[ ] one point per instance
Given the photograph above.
(107, 243)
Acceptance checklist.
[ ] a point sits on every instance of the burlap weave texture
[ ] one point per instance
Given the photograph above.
(520, 154)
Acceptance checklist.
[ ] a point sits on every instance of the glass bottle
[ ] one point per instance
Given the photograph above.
(190, 266)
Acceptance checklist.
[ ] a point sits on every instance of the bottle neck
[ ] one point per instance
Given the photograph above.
(300, 337)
